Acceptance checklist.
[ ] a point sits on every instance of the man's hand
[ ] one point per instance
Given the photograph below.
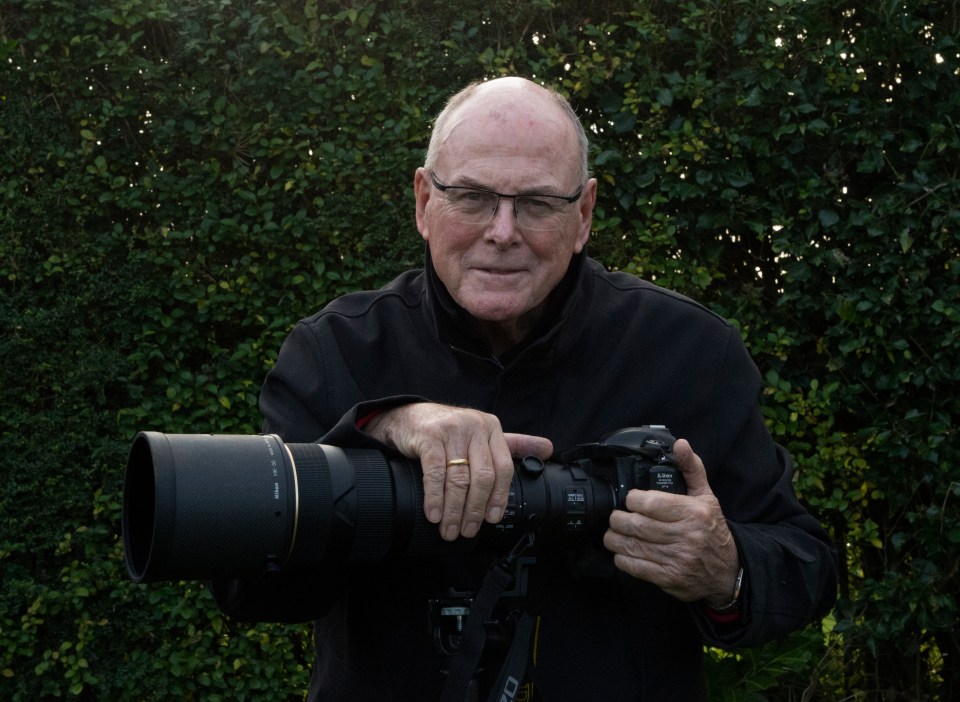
(680, 543)
(467, 461)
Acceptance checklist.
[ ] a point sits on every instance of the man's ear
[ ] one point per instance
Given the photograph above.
(422, 190)
(585, 208)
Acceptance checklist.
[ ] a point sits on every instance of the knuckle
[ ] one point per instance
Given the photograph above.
(458, 480)
(434, 474)
(483, 477)
(634, 548)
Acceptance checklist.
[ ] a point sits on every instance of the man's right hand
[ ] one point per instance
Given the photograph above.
(466, 457)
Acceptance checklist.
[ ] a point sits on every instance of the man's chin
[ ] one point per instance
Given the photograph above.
(505, 312)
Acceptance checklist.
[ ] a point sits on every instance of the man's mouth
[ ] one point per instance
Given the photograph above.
(500, 271)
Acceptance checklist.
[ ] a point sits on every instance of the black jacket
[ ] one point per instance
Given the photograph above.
(611, 351)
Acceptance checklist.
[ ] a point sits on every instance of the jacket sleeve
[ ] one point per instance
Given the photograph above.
(790, 575)
(789, 561)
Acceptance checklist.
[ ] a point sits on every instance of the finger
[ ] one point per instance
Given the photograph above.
(492, 471)
(653, 563)
(504, 447)
(639, 568)
(616, 541)
(523, 445)
(625, 523)
(503, 471)
(649, 531)
(434, 466)
(633, 556)
(457, 481)
(694, 472)
(662, 508)
(481, 479)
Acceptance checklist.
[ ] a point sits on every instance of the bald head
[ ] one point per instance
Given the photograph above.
(511, 98)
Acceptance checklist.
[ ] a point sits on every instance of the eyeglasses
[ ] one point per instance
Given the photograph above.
(533, 211)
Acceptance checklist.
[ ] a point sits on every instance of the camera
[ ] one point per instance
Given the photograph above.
(207, 506)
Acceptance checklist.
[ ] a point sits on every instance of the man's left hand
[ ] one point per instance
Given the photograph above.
(680, 543)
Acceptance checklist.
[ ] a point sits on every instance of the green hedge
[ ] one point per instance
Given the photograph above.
(182, 181)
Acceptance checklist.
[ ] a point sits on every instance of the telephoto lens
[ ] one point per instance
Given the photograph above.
(208, 506)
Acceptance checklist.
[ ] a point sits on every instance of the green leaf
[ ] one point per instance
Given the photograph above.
(828, 218)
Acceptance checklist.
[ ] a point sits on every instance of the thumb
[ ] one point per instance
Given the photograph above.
(522, 445)
(690, 464)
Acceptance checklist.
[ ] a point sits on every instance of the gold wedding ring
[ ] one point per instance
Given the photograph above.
(458, 462)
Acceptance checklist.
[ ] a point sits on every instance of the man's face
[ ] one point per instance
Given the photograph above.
(509, 141)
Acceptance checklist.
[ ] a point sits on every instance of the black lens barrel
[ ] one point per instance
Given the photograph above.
(207, 506)
(199, 505)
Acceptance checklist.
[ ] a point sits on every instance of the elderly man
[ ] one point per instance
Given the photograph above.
(509, 343)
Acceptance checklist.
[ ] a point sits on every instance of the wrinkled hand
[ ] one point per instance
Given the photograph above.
(681, 543)
(458, 497)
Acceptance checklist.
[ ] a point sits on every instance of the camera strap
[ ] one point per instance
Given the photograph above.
(466, 660)
(515, 665)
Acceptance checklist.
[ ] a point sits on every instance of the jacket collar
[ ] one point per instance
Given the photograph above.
(560, 324)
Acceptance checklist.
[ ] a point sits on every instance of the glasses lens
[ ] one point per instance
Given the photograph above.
(534, 212)
(472, 206)
(540, 213)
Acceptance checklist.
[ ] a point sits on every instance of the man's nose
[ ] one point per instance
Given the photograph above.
(504, 229)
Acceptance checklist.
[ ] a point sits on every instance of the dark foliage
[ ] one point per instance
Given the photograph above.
(182, 181)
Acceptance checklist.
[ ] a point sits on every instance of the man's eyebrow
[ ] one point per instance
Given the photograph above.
(468, 182)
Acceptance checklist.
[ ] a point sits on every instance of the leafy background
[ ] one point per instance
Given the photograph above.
(181, 181)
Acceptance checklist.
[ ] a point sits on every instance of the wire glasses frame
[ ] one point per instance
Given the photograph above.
(532, 211)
